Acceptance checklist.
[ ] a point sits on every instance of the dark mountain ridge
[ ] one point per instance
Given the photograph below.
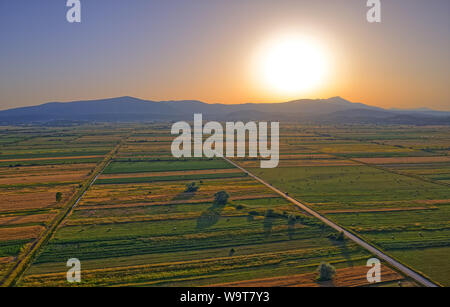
(130, 109)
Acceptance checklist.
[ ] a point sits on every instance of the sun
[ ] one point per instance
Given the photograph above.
(292, 65)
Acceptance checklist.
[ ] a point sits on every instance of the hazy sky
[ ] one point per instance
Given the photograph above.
(205, 50)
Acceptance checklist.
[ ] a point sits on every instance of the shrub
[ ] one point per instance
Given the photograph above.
(221, 198)
(191, 187)
(58, 196)
(326, 272)
(337, 237)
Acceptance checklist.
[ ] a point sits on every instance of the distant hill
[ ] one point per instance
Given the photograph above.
(129, 109)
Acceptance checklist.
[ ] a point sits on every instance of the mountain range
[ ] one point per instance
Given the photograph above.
(130, 109)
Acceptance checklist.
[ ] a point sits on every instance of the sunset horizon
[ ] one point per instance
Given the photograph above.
(303, 50)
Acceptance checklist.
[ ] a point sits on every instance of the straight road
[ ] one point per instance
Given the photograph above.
(405, 270)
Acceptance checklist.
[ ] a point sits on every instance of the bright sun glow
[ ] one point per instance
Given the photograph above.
(292, 65)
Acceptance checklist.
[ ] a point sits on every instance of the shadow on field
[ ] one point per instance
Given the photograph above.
(184, 196)
(344, 250)
(267, 225)
(291, 231)
(326, 284)
(209, 217)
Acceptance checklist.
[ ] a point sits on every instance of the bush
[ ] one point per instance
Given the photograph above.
(337, 236)
(326, 272)
(58, 196)
(221, 198)
(191, 187)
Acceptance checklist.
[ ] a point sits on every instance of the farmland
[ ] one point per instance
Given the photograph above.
(138, 225)
(41, 170)
(387, 184)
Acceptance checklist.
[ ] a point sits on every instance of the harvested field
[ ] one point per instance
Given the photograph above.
(347, 277)
(406, 160)
(433, 201)
(45, 169)
(20, 233)
(168, 191)
(51, 158)
(33, 198)
(53, 178)
(26, 219)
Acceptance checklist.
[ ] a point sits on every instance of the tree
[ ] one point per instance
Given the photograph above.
(58, 196)
(326, 272)
(221, 198)
(191, 187)
(337, 236)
